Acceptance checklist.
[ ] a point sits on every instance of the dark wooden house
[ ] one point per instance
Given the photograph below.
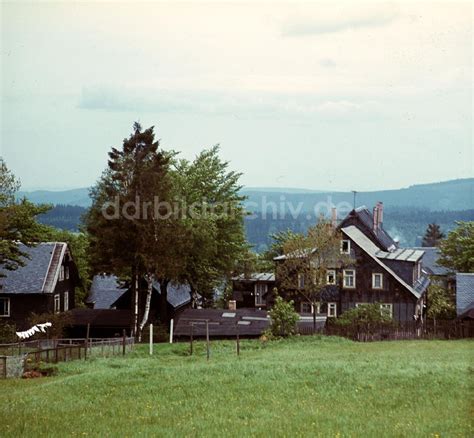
(381, 272)
(107, 292)
(252, 291)
(45, 284)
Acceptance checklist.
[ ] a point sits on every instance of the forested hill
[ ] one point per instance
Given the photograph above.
(447, 195)
(407, 211)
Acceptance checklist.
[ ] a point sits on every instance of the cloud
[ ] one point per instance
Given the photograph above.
(242, 105)
(342, 21)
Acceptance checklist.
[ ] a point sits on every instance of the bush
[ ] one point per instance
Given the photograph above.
(60, 323)
(7, 333)
(364, 315)
(283, 318)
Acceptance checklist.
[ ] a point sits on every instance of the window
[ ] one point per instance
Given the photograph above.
(57, 303)
(332, 310)
(66, 301)
(331, 276)
(61, 273)
(361, 304)
(300, 281)
(307, 307)
(260, 291)
(377, 281)
(4, 307)
(388, 308)
(349, 278)
(346, 247)
(66, 272)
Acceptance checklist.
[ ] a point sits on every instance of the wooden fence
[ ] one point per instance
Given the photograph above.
(452, 329)
(24, 355)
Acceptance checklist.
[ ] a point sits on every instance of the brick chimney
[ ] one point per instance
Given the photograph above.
(334, 217)
(375, 219)
(380, 214)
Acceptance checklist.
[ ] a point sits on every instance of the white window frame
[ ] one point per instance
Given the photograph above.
(5, 314)
(345, 276)
(329, 273)
(66, 272)
(361, 304)
(301, 281)
(66, 301)
(348, 246)
(374, 276)
(388, 306)
(61, 273)
(260, 290)
(57, 303)
(332, 310)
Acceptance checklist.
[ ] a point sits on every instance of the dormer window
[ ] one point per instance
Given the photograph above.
(345, 247)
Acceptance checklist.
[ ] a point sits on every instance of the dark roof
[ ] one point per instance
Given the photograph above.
(100, 317)
(222, 322)
(178, 294)
(105, 291)
(430, 259)
(256, 276)
(366, 217)
(31, 278)
(464, 291)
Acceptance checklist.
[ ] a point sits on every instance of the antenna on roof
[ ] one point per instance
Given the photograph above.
(355, 193)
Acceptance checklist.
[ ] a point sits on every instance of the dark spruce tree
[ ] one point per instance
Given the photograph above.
(433, 236)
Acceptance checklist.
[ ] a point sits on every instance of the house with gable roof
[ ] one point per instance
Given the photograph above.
(381, 273)
(45, 284)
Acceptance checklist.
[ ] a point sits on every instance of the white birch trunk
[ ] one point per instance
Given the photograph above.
(147, 302)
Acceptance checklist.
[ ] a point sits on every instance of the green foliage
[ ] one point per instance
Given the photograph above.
(283, 317)
(17, 221)
(343, 388)
(365, 316)
(7, 333)
(433, 235)
(457, 250)
(440, 304)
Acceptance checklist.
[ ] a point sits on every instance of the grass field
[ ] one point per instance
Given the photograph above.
(300, 387)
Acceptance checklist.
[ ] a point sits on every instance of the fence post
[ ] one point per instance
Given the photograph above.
(191, 339)
(151, 339)
(207, 339)
(123, 342)
(87, 341)
(171, 330)
(238, 342)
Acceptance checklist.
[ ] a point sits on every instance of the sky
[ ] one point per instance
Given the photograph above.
(325, 96)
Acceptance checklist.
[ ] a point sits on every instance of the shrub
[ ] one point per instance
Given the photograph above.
(283, 318)
(364, 315)
(7, 333)
(60, 323)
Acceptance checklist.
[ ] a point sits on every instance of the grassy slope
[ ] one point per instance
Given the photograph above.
(308, 386)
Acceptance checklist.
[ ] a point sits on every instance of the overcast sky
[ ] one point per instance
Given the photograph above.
(323, 96)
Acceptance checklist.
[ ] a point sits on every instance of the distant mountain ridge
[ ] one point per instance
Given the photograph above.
(446, 195)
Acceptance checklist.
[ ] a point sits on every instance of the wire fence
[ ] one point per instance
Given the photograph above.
(16, 358)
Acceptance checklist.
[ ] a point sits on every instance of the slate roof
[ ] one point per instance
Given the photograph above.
(381, 235)
(31, 278)
(464, 291)
(225, 323)
(256, 276)
(430, 259)
(178, 294)
(371, 249)
(105, 291)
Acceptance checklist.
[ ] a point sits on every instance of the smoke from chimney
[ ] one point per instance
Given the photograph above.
(380, 212)
(375, 219)
(334, 217)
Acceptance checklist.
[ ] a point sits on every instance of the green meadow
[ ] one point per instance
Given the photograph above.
(304, 386)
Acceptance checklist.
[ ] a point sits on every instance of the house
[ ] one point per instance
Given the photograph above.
(252, 290)
(107, 292)
(45, 284)
(381, 273)
(465, 295)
